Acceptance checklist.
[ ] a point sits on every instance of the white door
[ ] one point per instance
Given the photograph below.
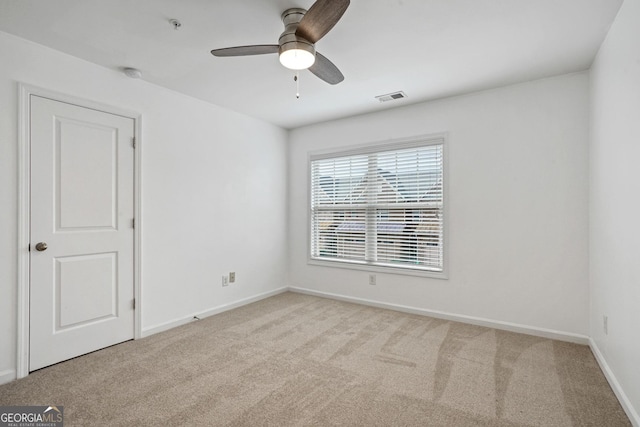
(82, 204)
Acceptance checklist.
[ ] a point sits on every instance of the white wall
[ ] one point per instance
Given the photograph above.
(214, 190)
(518, 224)
(615, 200)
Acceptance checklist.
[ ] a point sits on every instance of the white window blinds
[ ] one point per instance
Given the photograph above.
(382, 208)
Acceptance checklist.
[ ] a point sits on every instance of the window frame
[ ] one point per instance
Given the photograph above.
(374, 147)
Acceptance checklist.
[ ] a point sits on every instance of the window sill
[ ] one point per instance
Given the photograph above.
(379, 268)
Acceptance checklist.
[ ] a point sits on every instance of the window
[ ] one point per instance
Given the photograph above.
(380, 206)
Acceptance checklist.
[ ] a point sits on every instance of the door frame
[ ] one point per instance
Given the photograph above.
(24, 211)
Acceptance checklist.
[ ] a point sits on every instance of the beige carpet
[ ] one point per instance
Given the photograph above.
(300, 360)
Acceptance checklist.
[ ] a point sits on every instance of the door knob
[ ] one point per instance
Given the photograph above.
(42, 246)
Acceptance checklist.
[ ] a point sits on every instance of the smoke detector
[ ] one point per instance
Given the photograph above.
(134, 73)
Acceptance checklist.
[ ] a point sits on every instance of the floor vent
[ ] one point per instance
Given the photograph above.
(391, 96)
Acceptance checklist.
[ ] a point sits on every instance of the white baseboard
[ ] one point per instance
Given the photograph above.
(210, 312)
(7, 376)
(615, 385)
(479, 321)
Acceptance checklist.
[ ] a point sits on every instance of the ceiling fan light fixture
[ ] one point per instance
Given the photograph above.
(297, 56)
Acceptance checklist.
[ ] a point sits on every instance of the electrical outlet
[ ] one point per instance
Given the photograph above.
(372, 279)
(605, 324)
(225, 281)
(232, 277)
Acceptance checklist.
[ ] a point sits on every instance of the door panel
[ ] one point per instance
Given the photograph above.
(86, 160)
(86, 289)
(81, 289)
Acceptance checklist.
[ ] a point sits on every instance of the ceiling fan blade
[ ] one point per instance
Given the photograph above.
(256, 49)
(325, 70)
(321, 18)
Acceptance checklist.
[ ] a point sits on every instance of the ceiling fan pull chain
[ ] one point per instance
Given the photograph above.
(296, 79)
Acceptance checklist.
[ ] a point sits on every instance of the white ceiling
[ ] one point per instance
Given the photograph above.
(427, 48)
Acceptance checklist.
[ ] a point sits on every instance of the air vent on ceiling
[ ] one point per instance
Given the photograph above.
(391, 96)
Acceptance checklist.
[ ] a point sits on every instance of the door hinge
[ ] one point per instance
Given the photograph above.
(29, 247)
(133, 142)
(133, 223)
(134, 303)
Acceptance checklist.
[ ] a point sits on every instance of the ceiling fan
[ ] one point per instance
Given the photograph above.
(296, 45)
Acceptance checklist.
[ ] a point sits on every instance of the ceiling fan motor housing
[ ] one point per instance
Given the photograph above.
(288, 39)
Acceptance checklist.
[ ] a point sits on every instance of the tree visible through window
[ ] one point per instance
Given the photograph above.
(383, 208)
